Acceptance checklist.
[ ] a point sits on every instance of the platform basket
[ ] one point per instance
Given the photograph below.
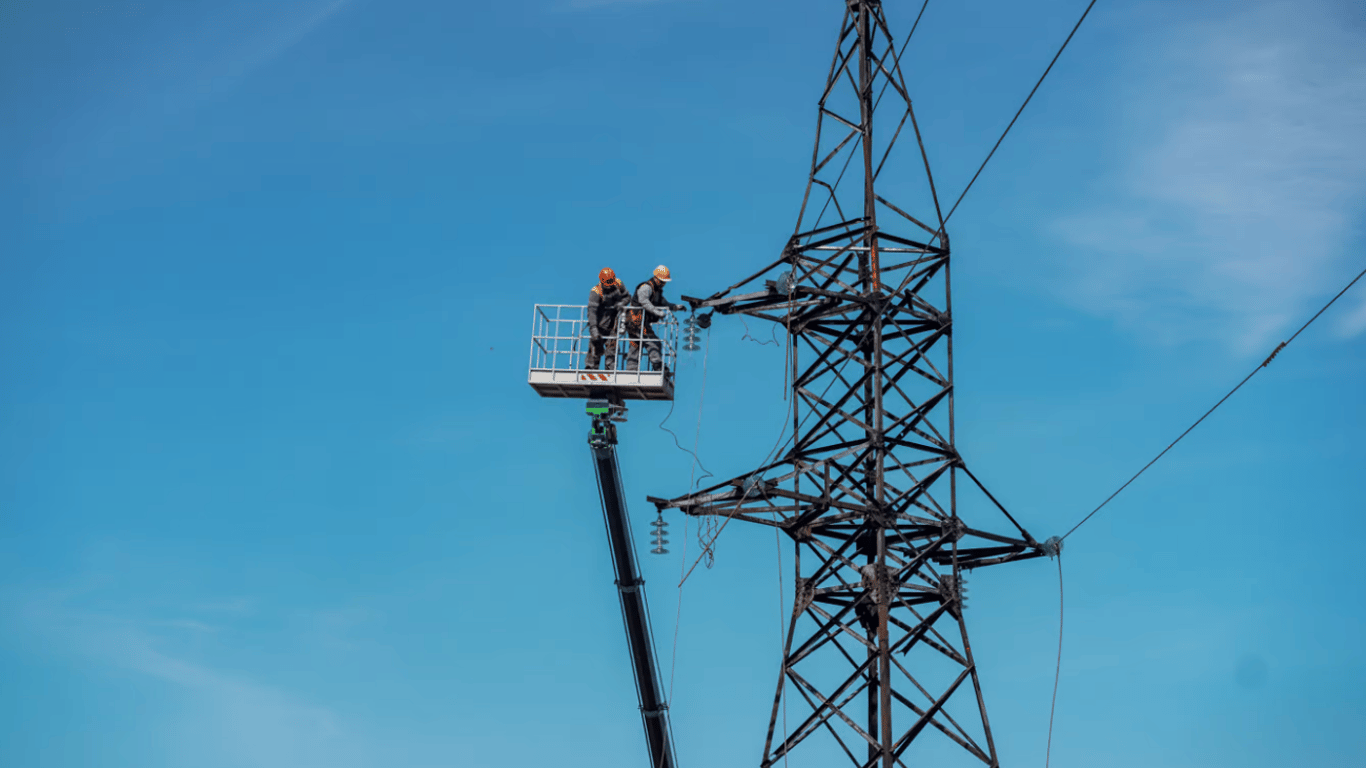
(559, 357)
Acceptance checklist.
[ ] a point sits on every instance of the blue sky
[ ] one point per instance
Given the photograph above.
(273, 491)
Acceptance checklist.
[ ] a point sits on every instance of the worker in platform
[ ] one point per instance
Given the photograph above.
(648, 305)
(605, 302)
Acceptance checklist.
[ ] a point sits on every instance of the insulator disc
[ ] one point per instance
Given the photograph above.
(691, 347)
(659, 551)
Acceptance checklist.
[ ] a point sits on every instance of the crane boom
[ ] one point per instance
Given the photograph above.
(635, 612)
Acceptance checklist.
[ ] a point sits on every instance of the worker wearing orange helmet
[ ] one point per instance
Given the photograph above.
(648, 305)
(605, 301)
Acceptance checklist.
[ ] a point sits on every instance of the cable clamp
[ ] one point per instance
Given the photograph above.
(1273, 354)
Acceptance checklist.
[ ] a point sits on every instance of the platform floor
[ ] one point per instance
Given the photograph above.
(629, 385)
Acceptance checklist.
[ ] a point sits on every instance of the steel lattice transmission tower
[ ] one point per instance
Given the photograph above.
(877, 650)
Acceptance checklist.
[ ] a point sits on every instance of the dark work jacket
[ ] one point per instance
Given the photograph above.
(647, 298)
(603, 308)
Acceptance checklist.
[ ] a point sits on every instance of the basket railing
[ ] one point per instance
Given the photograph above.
(561, 341)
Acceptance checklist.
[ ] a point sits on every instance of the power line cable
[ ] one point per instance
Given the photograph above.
(1016, 117)
(1057, 672)
(683, 555)
(1264, 364)
(701, 401)
(697, 462)
(748, 337)
(706, 546)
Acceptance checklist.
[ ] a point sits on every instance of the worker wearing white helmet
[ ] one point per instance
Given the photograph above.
(648, 305)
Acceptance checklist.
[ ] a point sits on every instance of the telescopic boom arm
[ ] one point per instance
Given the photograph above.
(635, 612)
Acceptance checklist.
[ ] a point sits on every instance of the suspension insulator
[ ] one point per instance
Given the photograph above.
(661, 528)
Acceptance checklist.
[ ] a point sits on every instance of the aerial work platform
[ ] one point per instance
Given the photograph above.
(560, 345)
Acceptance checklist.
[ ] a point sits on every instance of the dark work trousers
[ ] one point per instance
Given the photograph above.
(643, 336)
(600, 347)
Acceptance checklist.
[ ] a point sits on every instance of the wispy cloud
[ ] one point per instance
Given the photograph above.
(281, 35)
(1354, 321)
(231, 720)
(154, 83)
(1247, 186)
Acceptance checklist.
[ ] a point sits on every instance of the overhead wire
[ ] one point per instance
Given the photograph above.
(952, 210)
(710, 529)
(1058, 669)
(1245, 380)
(1279, 347)
(748, 337)
(771, 454)
(1265, 363)
(1057, 672)
(1013, 119)
(697, 461)
(683, 554)
(701, 401)
(707, 545)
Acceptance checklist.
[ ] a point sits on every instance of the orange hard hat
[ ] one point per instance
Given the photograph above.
(606, 276)
(662, 272)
